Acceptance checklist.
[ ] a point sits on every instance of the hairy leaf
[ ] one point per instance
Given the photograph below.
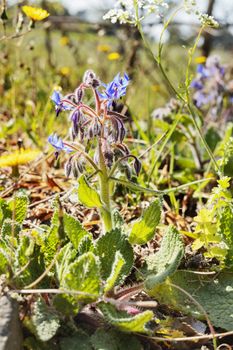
(83, 276)
(79, 341)
(165, 262)
(87, 195)
(51, 243)
(86, 244)
(45, 322)
(144, 229)
(214, 294)
(107, 247)
(116, 269)
(74, 230)
(126, 322)
(18, 205)
(66, 304)
(114, 340)
(65, 257)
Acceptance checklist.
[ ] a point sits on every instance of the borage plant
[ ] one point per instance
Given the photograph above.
(97, 137)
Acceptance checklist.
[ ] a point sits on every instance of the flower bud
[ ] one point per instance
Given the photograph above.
(79, 93)
(137, 166)
(90, 79)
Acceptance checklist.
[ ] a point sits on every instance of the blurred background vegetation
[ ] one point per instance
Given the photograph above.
(58, 50)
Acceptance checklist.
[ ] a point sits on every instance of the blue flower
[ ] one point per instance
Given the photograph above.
(116, 88)
(57, 143)
(56, 98)
(203, 71)
(196, 84)
(201, 98)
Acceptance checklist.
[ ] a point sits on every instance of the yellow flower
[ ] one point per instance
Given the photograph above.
(200, 59)
(113, 56)
(155, 88)
(35, 13)
(18, 157)
(103, 48)
(64, 40)
(65, 71)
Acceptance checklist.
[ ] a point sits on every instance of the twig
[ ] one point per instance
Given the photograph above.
(192, 339)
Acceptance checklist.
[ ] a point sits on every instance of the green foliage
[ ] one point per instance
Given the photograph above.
(45, 322)
(214, 294)
(15, 209)
(212, 138)
(66, 304)
(104, 339)
(144, 229)
(50, 244)
(106, 248)
(79, 341)
(86, 244)
(74, 230)
(124, 321)
(18, 206)
(115, 273)
(214, 224)
(87, 195)
(225, 151)
(83, 276)
(64, 258)
(10, 228)
(165, 262)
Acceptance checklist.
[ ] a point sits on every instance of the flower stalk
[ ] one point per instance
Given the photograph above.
(100, 132)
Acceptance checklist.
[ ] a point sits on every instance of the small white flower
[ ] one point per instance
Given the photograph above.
(208, 21)
(124, 10)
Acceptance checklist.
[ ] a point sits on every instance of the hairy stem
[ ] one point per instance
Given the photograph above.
(105, 211)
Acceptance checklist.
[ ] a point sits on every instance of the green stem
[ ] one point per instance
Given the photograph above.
(105, 210)
(208, 150)
(174, 90)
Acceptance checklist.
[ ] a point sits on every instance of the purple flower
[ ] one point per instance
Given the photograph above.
(196, 84)
(57, 143)
(201, 98)
(56, 98)
(203, 71)
(116, 88)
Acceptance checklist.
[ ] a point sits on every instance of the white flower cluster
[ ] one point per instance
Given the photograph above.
(125, 12)
(191, 7)
(208, 21)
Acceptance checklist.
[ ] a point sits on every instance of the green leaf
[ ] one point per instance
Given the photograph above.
(5, 212)
(65, 257)
(107, 246)
(66, 304)
(212, 138)
(114, 340)
(18, 205)
(116, 269)
(74, 230)
(45, 322)
(214, 294)
(87, 195)
(144, 229)
(118, 220)
(124, 321)
(29, 261)
(4, 260)
(10, 228)
(79, 341)
(83, 276)
(86, 244)
(51, 243)
(165, 262)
